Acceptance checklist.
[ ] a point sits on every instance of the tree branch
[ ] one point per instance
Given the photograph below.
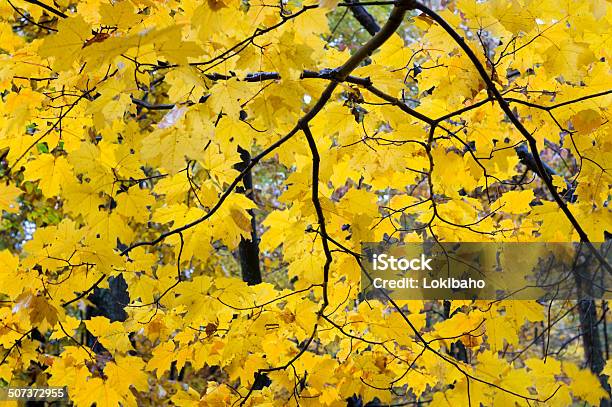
(365, 19)
(319, 210)
(337, 76)
(519, 126)
(48, 8)
(28, 19)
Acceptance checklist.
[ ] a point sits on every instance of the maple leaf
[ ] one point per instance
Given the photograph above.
(8, 198)
(94, 390)
(224, 162)
(65, 46)
(111, 335)
(53, 172)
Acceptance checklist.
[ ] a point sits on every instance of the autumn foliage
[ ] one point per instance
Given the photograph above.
(147, 146)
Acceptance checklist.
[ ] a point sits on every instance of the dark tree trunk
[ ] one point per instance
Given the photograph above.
(110, 303)
(589, 327)
(593, 349)
(248, 249)
(457, 348)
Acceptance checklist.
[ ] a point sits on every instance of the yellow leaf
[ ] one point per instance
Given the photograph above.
(127, 366)
(516, 202)
(587, 121)
(393, 53)
(11, 283)
(53, 172)
(163, 356)
(134, 203)
(111, 335)
(66, 45)
(608, 370)
(585, 384)
(96, 391)
(120, 14)
(226, 97)
(568, 58)
(328, 4)
(8, 198)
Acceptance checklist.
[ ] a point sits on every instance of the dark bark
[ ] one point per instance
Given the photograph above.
(110, 303)
(530, 162)
(589, 327)
(604, 310)
(248, 249)
(593, 347)
(457, 348)
(366, 19)
(357, 401)
(261, 380)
